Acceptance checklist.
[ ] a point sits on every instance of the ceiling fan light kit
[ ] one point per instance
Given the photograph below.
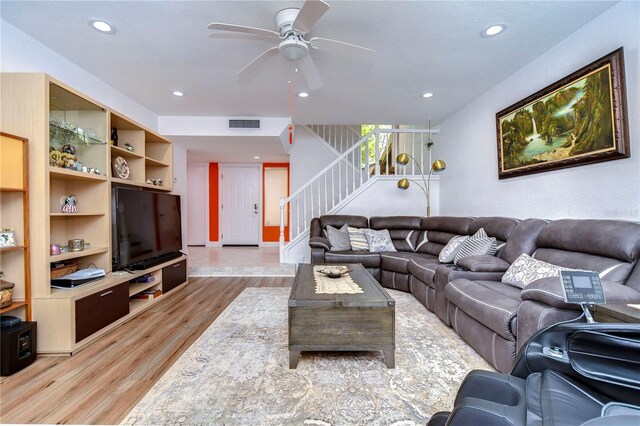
(293, 24)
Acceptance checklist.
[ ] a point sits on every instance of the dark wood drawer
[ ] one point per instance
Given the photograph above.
(101, 309)
(174, 275)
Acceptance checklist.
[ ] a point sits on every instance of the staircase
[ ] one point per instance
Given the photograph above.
(360, 163)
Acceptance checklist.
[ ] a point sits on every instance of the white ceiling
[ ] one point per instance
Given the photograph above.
(161, 46)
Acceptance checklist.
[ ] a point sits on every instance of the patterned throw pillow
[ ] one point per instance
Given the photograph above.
(448, 253)
(477, 245)
(358, 239)
(379, 241)
(525, 270)
(339, 238)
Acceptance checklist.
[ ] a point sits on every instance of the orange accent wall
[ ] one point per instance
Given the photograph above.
(272, 233)
(213, 202)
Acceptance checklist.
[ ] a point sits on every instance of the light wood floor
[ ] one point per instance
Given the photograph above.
(103, 382)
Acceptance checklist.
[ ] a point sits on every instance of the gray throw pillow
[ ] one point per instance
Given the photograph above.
(379, 241)
(448, 252)
(477, 245)
(339, 238)
(525, 270)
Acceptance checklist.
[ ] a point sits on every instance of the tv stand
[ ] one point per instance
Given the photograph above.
(149, 263)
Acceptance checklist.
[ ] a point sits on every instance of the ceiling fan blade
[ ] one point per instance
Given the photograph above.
(340, 47)
(310, 72)
(243, 29)
(311, 11)
(253, 67)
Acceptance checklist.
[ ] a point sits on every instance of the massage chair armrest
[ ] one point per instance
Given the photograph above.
(549, 292)
(320, 243)
(484, 263)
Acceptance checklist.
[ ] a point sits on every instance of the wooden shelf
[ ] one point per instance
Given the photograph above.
(68, 174)
(140, 184)
(135, 288)
(77, 254)
(152, 162)
(13, 306)
(80, 214)
(12, 190)
(135, 304)
(12, 248)
(124, 152)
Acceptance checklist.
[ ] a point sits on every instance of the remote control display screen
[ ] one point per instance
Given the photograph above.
(582, 287)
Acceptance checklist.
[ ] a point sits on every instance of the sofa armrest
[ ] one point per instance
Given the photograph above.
(549, 292)
(315, 229)
(319, 242)
(484, 263)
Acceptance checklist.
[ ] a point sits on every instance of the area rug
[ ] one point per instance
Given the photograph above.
(237, 373)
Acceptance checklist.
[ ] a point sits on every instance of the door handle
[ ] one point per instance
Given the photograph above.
(107, 293)
(255, 206)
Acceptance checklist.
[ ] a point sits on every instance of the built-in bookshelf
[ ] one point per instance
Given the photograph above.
(71, 157)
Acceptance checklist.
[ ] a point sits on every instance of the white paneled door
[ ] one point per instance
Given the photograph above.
(240, 204)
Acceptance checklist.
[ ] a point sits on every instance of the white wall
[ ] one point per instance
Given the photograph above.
(307, 157)
(180, 186)
(22, 53)
(468, 139)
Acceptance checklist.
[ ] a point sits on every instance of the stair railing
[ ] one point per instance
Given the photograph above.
(340, 136)
(349, 172)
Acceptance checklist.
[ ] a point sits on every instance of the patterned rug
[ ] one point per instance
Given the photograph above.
(237, 373)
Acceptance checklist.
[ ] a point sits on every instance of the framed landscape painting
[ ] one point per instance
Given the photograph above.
(578, 120)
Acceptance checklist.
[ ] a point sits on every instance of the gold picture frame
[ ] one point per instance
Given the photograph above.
(581, 119)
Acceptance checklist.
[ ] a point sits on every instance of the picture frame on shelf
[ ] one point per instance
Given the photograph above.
(7, 239)
(580, 119)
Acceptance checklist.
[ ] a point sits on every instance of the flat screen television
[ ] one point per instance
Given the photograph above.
(146, 228)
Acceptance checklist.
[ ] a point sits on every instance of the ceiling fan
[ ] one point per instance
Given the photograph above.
(293, 25)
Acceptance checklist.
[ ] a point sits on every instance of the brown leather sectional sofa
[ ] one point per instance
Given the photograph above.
(496, 319)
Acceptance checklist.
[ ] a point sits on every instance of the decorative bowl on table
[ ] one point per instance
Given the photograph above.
(335, 272)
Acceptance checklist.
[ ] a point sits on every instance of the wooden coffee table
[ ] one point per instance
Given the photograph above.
(341, 322)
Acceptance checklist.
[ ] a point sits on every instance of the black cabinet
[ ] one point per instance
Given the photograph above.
(174, 275)
(101, 309)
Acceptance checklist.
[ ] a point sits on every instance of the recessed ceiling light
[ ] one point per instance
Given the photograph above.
(427, 95)
(256, 157)
(102, 26)
(178, 93)
(494, 30)
(303, 94)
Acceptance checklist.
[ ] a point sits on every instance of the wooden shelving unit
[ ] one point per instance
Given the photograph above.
(53, 116)
(14, 213)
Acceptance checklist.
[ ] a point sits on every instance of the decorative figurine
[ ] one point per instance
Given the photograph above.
(69, 204)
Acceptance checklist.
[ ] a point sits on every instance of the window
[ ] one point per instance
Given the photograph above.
(276, 183)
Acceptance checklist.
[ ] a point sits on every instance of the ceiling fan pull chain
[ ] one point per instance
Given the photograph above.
(290, 112)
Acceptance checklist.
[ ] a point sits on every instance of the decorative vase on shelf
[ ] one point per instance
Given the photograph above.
(114, 136)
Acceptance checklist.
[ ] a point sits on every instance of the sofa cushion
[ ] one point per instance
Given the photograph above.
(610, 269)
(379, 241)
(404, 230)
(337, 220)
(319, 242)
(358, 239)
(368, 260)
(424, 269)
(438, 230)
(338, 238)
(493, 309)
(498, 227)
(449, 252)
(526, 270)
(522, 239)
(398, 262)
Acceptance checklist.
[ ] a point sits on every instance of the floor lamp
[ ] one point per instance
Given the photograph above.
(436, 167)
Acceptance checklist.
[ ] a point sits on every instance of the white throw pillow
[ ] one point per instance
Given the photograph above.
(448, 252)
(477, 245)
(525, 270)
(379, 241)
(358, 239)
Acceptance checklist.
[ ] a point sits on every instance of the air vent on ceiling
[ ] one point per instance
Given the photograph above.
(240, 123)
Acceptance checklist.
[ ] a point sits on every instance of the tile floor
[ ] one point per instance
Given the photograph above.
(237, 261)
